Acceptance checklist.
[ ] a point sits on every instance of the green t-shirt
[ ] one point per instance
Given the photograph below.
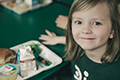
(85, 69)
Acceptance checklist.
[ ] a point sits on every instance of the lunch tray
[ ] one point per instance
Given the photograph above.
(4, 4)
(46, 54)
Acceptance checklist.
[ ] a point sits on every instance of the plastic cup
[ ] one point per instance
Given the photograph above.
(8, 72)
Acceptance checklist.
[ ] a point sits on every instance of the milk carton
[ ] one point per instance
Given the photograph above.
(26, 60)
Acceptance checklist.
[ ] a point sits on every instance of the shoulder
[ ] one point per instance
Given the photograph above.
(116, 65)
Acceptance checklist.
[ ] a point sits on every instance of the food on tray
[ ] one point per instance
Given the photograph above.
(26, 60)
(43, 52)
(11, 4)
(8, 72)
(41, 1)
(7, 56)
(44, 61)
(35, 48)
(36, 51)
(21, 6)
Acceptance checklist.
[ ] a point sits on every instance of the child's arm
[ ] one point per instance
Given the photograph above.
(61, 21)
(52, 39)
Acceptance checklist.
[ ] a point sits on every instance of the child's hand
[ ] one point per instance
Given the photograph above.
(61, 21)
(50, 39)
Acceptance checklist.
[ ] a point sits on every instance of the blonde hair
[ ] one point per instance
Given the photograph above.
(113, 46)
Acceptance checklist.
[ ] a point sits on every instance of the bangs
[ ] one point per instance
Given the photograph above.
(86, 4)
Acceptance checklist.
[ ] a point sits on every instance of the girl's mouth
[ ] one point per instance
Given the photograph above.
(88, 38)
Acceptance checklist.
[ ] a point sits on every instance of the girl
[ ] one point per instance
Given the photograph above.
(93, 40)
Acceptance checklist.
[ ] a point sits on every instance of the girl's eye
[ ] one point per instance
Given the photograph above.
(78, 22)
(97, 23)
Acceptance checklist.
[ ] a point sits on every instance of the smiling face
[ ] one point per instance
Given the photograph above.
(91, 28)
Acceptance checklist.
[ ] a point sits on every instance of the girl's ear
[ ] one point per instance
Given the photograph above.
(111, 34)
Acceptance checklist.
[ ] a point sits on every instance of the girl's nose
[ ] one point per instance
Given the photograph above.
(86, 30)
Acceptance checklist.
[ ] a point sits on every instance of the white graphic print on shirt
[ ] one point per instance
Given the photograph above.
(78, 74)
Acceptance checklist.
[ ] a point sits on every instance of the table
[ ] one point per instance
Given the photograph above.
(16, 29)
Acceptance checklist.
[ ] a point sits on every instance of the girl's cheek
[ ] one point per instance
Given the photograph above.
(74, 32)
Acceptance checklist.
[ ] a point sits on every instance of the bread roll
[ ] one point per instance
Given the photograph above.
(7, 56)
